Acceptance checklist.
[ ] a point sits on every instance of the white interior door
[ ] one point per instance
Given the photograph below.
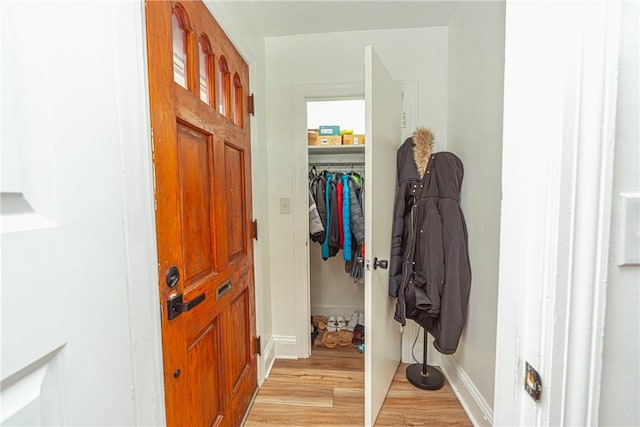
(383, 105)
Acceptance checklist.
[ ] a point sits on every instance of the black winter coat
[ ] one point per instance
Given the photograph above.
(430, 273)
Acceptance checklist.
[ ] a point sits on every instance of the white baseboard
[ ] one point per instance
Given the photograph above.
(285, 347)
(267, 360)
(478, 410)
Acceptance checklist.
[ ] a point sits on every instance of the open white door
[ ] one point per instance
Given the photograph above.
(383, 105)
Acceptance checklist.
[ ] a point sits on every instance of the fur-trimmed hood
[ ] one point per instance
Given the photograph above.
(422, 147)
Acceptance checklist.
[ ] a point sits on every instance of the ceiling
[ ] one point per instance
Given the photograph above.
(284, 18)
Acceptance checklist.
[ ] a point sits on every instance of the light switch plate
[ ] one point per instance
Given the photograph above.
(285, 205)
(629, 230)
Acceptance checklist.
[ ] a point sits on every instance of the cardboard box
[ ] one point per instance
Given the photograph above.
(330, 140)
(312, 138)
(329, 131)
(355, 139)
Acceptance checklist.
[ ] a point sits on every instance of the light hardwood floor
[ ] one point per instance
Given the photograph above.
(328, 390)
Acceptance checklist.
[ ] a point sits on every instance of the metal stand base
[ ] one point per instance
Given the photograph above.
(425, 376)
(433, 380)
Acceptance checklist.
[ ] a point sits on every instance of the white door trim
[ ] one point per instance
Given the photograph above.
(559, 108)
(142, 307)
(592, 214)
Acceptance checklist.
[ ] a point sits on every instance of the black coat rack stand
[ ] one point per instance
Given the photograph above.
(424, 376)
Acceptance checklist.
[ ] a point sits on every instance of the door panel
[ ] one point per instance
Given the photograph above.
(236, 228)
(239, 337)
(203, 193)
(203, 355)
(196, 193)
(383, 106)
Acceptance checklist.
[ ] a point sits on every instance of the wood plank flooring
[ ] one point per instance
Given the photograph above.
(328, 390)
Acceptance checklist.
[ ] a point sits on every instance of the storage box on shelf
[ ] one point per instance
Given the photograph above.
(355, 139)
(329, 130)
(312, 137)
(329, 140)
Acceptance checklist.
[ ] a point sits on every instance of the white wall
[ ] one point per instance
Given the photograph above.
(333, 291)
(620, 391)
(414, 54)
(475, 99)
(80, 319)
(346, 113)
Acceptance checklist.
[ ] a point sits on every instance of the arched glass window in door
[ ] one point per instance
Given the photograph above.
(178, 29)
(237, 100)
(205, 61)
(224, 88)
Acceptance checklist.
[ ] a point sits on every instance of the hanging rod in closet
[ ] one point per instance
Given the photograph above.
(338, 165)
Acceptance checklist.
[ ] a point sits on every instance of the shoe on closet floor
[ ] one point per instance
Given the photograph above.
(332, 324)
(353, 321)
(330, 339)
(344, 338)
(319, 322)
(358, 336)
(340, 323)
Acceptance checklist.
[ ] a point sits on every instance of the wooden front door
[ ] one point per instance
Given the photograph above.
(198, 85)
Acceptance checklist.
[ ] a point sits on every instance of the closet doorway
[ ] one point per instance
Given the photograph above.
(336, 262)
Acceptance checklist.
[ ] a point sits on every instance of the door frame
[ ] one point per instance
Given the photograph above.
(299, 346)
(140, 224)
(551, 310)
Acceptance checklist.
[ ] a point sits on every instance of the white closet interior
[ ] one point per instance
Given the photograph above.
(332, 290)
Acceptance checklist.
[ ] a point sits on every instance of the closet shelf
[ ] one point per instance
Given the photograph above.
(336, 149)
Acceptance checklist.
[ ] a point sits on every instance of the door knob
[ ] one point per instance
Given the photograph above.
(382, 263)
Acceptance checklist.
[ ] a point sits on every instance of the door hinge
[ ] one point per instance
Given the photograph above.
(255, 229)
(403, 120)
(251, 106)
(258, 346)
